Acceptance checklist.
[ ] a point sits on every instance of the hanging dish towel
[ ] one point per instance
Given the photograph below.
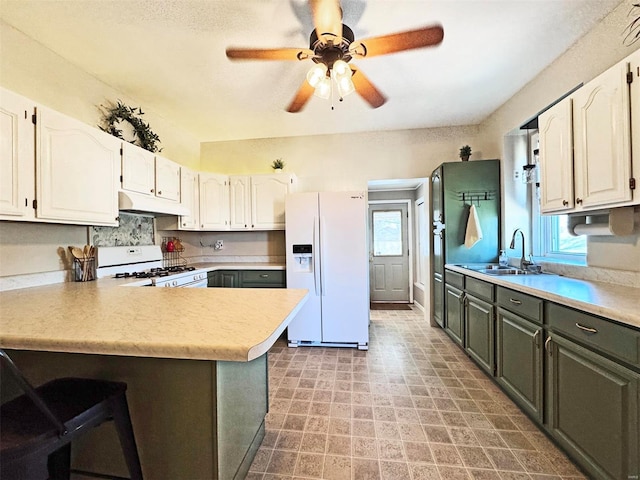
(474, 232)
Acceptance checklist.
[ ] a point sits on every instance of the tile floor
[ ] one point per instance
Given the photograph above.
(413, 407)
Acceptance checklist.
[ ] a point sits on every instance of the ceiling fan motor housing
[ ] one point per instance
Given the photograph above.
(328, 51)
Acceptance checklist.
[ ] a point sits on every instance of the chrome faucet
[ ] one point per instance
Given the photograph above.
(524, 263)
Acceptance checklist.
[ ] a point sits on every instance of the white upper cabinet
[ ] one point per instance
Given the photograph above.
(189, 195)
(214, 201)
(240, 202)
(556, 170)
(257, 201)
(267, 200)
(149, 174)
(602, 144)
(586, 143)
(77, 171)
(138, 169)
(17, 174)
(167, 179)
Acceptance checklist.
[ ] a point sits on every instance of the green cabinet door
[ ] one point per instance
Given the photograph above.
(478, 330)
(223, 278)
(454, 325)
(593, 409)
(519, 367)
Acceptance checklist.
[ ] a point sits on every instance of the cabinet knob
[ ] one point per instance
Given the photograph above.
(152, 190)
(160, 192)
(565, 203)
(579, 201)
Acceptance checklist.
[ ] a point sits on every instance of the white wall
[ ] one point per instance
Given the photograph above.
(345, 162)
(31, 70)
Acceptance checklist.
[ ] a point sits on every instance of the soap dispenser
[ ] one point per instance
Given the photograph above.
(503, 259)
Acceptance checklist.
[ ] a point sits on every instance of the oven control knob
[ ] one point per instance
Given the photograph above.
(174, 283)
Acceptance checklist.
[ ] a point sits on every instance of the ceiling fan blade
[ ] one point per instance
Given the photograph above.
(302, 97)
(269, 54)
(397, 42)
(327, 17)
(366, 89)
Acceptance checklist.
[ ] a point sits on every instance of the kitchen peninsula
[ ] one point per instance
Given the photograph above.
(194, 359)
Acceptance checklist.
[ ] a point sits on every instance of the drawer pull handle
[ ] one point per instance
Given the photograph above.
(515, 302)
(586, 329)
(264, 275)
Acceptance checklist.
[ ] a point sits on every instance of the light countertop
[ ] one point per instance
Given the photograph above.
(614, 302)
(105, 317)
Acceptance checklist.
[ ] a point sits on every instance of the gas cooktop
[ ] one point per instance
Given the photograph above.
(155, 272)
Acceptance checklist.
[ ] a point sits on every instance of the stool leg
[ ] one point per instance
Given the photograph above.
(59, 463)
(122, 420)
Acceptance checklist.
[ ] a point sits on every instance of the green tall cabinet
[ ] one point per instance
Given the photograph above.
(455, 186)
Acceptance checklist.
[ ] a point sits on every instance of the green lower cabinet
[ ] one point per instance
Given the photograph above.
(593, 409)
(454, 324)
(479, 338)
(519, 361)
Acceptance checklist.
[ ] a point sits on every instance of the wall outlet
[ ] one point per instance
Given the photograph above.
(219, 245)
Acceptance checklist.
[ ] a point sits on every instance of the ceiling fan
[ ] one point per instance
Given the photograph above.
(332, 45)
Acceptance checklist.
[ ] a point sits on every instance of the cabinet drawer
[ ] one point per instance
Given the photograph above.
(520, 303)
(480, 289)
(608, 337)
(453, 278)
(266, 277)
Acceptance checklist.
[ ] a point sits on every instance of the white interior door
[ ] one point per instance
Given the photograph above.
(388, 253)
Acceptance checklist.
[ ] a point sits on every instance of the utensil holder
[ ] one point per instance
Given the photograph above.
(84, 269)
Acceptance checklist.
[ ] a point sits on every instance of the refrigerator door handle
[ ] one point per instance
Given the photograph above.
(323, 227)
(316, 254)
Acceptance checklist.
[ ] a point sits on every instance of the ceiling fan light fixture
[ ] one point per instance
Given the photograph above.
(316, 75)
(341, 69)
(345, 86)
(323, 88)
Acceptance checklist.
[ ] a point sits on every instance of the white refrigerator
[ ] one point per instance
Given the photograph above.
(326, 242)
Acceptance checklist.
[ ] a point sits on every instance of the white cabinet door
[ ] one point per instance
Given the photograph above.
(167, 179)
(214, 201)
(267, 200)
(77, 171)
(138, 169)
(240, 202)
(602, 144)
(17, 162)
(556, 158)
(189, 195)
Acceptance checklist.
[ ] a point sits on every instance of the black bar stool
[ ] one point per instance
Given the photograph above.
(37, 428)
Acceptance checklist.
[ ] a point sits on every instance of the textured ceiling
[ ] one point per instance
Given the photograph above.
(170, 57)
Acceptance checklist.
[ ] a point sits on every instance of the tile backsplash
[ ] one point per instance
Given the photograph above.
(133, 230)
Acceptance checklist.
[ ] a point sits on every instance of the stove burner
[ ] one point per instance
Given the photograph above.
(156, 272)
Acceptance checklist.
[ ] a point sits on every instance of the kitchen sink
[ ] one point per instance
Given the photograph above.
(495, 269)
(503, 271)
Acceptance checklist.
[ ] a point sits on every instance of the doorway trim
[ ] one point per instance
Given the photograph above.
(409, 204)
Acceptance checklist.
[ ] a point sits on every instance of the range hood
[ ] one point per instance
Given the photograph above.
(136, 202)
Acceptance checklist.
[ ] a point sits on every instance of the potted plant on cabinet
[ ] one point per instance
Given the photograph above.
(277, 165)
(465, 153)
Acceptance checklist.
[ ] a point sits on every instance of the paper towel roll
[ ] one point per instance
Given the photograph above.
(600, 229)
